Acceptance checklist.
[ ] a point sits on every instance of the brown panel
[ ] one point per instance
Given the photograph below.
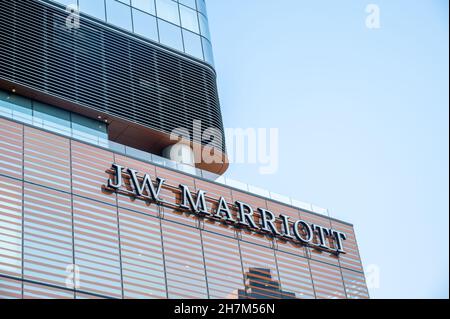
(223, 266)
(10, 288)
(33, 291)
(129, 201)
(279, 209)
(291, 247)
(89, 166)
(142, 256)
(255, 203)
(10, 227)
(213, 194)
(351, 259)
(48, 250)
(79, 295)
(327, 281)
(11, 148)
(171, 194)
(184, 262)
(295, 276)
(97, 247)
(294, 214)
(220, 227)
(355, 284)
(47, 159)
(214, 191)
(316, 254)
(260, 269)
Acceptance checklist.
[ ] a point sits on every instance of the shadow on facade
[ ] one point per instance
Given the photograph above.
(260, 285)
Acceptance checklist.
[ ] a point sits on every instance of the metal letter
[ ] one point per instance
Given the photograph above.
(308, 229)
(322, 232)
(286, 229)
(146, 184)
(118, 177)
(222, 209)
(268, 224)
(245, 219)
(188, 202)
(339, 236)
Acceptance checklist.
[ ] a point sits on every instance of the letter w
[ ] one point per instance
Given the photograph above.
(147, 185)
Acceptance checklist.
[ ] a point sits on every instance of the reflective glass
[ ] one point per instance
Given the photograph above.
(193, 44)
(119, 14)
(207, 51)
(204, 27)
(201, 6)
(168, 10)
(144, 5)
(66, 2)
(129, 15)
(189, 3)
(17, 107)
(170, 35)
(89, 130)
(189, 19)
(145, 25)
(95, 8)
(51, 118)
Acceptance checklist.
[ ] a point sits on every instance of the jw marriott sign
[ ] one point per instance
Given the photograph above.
(280, 226)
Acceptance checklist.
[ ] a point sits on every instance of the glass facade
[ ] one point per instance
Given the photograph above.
(53, 119)
(62, 235)
(181, 25)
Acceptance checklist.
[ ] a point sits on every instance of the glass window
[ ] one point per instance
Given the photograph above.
(204, 27)
(51, 118)
(95, 8)
(145, 25)
(15, 107)
(193, 44)
(67, 2)
(119, 14)
(88, 130)
(201, 6)
(170, 35)
(145, 5)
(189, 3)
(189, 19)
(168, 10)
(207, 49)
(5, 106)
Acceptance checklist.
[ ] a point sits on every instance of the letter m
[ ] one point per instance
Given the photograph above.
(198, 207)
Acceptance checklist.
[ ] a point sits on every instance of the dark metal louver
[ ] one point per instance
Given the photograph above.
(105, 70)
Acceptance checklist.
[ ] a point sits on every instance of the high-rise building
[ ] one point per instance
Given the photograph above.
(97, 198)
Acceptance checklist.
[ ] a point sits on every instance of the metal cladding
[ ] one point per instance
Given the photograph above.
(105, 70)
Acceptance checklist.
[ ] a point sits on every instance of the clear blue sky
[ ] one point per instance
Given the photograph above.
(363, 119)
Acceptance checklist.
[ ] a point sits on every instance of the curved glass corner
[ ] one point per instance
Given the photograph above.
(179, 24)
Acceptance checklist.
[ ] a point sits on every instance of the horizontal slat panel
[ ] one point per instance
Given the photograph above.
(184, 262)
(10, 227)
(104, 70)
(48, 248)
(223, 266)
(142, 260)
(97, 247)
